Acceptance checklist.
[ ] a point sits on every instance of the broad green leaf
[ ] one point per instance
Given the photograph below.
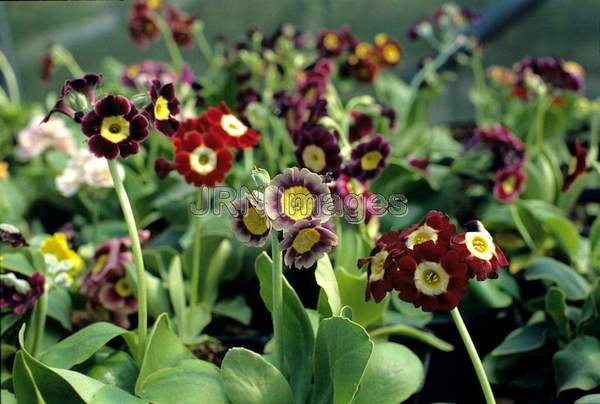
(110, 394)
(59, 306)
(589, 320)
(163, 350)
(565, 232)
(521, 340)
(80, 346)
(589, 399)
(393, 374)
(548, 269)
(325, 277)
(577, 366)
(298, 337)
(556, 307)
(197, 317)
(7, 321)
(6, 397)
(118, 369)
(406, 313)
(342, 351)
(249, 379)
(488, 292)
(191, 381)
(177, 293)
(209, 287)
(235, 308)
(23, 384)
(158, 296)
(352, 293)
(17, 262)
(594, 240)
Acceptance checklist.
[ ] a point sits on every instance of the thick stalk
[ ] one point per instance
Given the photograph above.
(277, 300)
(521, 227)
(172, 47)
(137, 258)
(38, 323)
(479, 370)
(197, 251)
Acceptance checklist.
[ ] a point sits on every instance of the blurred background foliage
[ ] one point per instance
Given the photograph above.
(93, 30)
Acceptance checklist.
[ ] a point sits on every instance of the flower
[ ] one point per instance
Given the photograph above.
(313, 82)
(295, 195)
(420, 163)
(163, 167)
(330, 43)
(507, 149)
(307, 241)
(85, 85)
(3, 170)
(365, 70)
(232, 131)
(430, 278)
(12, 235)
(482, 256)
(388, 50)
(143, 74)
(354, 200)
(163, 107)
(369, 158)
(142, 26)
(556, 73)
(501, 75)
(200, 156)
(85, 168)
(361, 126)
(114, 127)
(35, 139)
(181, 26)
(318, 150)
(577, 166)
(509, 182)
(20, 292)
(246, 97)
(435, 228)
(292, 108)
(381, 266)
(249, 221)
(60, 258)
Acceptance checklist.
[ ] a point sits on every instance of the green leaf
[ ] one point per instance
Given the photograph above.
(118, 369)
(566, 233)
(6, 397)
(589, 399)
(163, 350)
(17, 262)
(548, 269)
(577, 366)
(177, 293)
(556, 307)
(23, 384)
(352, 292)
(325, 277)
(235, 308)
(298, 337)
(393, 374)
(80, 346)
(412, 332)
(488, 292)
(59, 306)
(197, 317)
(249, 379)
(521, 340)
(110, 394)
(342, 351)
(192, 381)
(589, 321)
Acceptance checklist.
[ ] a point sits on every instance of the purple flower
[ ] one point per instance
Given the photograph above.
(249, 222)
(307, 241)
(507, 149)
(554, 72)
(85, 85)
(313, 83)
(369, 158)
(509, 182)
(20, 292)
(163, 107)
(318, 150)
(142, 26)
(114, 127)
(361, 126)
(246, 97)
(292, 108)
(143, 74)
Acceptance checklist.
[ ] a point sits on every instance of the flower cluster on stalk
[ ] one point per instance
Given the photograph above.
(448, 19)
(144, 27)
(429, 264)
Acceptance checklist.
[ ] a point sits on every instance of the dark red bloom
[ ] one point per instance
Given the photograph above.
(388, 51)
(12, 235)
(509, 182)
(382, 264)
(20, 292)
(507, 149)
(369, 158)
(419, 163)
(331, 43)
(246, 97)
(554, 72)
(361, 126)
(46, 66)
(364, 70)
(313, 82)
(163, 108)
(163, 167)
(435, 229)
(577, 166)
(230, 129)
(318, 150)
(181, 26)
(142, 26)
(114, 127)
(200, 155)
(85, 85)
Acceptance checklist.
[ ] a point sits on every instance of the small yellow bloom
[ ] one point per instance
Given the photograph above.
(3, 170)
(57, 246)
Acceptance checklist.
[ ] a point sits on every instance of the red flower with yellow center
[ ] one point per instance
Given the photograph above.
(577, 166)
(509, 182)
(436, 227)
(233, 131)
(200, 157)
(388, 51)
(381, 266)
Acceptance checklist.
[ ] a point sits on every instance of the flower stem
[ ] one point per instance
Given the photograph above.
(277, 300)
(137, 257)
(172, 47)
(197, 252)
(479, 370)
(38, 321)
(202, 43)
(521, 227)
(10, 78)
(535, 137)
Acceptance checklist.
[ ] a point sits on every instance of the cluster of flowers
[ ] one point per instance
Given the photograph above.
(447, 18)
(360, 60)
(293, 202)
(429, 264)
(144, 24)
(62, 263)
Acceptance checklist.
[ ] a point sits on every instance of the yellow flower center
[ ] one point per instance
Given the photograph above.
(115, 128)
(297, 202)
(572, 165)
(421, 235)
(203, 160)
(573, 68)
(153, 4)
(305, 240)
(377, 269)
(233, 126)
(370, 160)
(255, 221)
(362, 50)
(3, 170)
(122, 288)
(380, 39)
(100, 262)
(331, 41)
(133, 71)
(391, 53)
(431, 279)
(161, 109)
(314, 158)
(480, 244)
(508, 185)
(57, 246)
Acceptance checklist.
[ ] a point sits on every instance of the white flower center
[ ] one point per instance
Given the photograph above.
(431, 279)
(233, 126)
(377, 269)
(203, 160)
(421, 235)
(480, 244)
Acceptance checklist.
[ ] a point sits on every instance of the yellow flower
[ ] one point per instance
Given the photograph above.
(57, 246)
(3, 170)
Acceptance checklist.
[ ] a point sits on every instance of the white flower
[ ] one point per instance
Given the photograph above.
(36, 138)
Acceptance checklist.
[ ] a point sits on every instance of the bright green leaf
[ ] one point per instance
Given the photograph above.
(521, 340)
(235, 308)
(177, 293)
(325, 277)
(59, 306)
(577, 366)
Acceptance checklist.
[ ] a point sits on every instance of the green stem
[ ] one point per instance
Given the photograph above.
(514, 211)
(38, 323)
(277, 300)
(411, 332)
(248, 159)
(203, 44)
(172, 47)
(137, 258)
(535, 137)
(197, 251)
(479, 77)
(594, 133)
(10, 78)
(479, 370)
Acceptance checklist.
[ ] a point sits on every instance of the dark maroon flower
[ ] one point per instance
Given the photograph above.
(142, 26)
(85, 85)
(554, 72)
(331, 43)
(369, 158)
(163, 108)
(292, 108)
(114, 127)
(313, 83)
(46, 66)
(180, 24)
(12, 235)
(419, 163)
(364, 70)
(19, 292)
(163, 167)
(390, 114)
(318, 150)
(577, 166)
(509, 182)
(143, 74)
(507, 149)
(361, 126)
(388, 51)
(246, 97)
